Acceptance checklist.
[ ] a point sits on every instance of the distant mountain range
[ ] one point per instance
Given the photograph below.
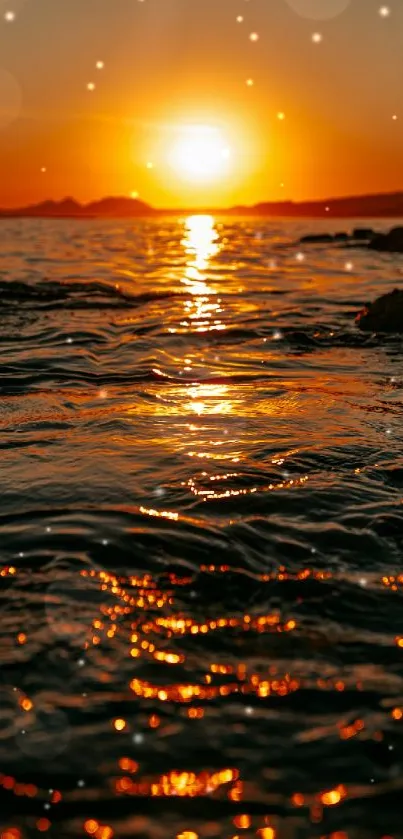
(386, 205)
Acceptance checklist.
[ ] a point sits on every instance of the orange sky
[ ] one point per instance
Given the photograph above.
(170, 64)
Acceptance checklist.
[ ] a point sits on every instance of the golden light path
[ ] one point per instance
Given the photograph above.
(200, 244)
(202, 313)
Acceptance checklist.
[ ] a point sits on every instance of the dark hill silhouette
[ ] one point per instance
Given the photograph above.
(119, 206)
(69, 208)
(386, 205)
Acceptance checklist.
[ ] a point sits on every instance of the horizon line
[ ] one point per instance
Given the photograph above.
(50, 205)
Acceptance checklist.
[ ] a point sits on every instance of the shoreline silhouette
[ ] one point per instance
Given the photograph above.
(382, 205)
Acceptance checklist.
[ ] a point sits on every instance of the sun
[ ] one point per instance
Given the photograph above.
(200, 153)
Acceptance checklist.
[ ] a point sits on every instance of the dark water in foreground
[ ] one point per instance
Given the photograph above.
(201, 535)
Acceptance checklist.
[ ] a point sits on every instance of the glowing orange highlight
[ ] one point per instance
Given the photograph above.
(91, 826)
(243, 821)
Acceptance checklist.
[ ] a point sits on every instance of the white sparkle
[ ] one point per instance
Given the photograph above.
(363, 581)
(277, 335)
(394, 116)
(159, 492)
(81, 662)
(69, 340)
(317, 37)
(81, 783)
(281, 115)
(254, 36)
(21, 554)
(388, 431)
(90, 86)
(300, 257)
(391, 748)
(100, 65)
(43, 169)
(105, 541)
(103, 393)
(46, 806)
(48, 530)
(313, 550)
(248, 710)
(134, 194)
(349, 266)
(384, 11)
(393, 379)
(9, 17)
(239, 19)
(138, 738)
(327, 209)
(250, 82)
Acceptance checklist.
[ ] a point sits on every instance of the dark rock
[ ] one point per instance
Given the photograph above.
(392, 241)
(360, 234)
(384, 315)
(363, 233)
(316, 239)
(378, 243)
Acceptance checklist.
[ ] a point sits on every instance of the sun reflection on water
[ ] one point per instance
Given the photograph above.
(209, 399)
(200, 243)
(201, 240)
(193, 360)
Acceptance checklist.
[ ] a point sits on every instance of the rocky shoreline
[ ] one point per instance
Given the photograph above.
(385, 314)
(391, 242)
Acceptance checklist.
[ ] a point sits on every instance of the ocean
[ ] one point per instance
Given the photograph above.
(201, 529)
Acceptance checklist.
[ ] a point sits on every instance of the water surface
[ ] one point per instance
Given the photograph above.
(200, 533)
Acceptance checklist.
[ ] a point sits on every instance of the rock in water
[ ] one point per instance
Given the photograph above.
(392, 241)
(384, 315)
(363, 233)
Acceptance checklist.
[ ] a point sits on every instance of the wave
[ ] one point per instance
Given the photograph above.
(49, 294)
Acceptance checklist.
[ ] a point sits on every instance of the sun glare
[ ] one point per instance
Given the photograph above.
(200, 153)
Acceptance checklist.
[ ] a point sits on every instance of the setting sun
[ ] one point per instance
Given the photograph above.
(200, 154)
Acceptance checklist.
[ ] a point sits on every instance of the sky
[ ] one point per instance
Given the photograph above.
(189, 110)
